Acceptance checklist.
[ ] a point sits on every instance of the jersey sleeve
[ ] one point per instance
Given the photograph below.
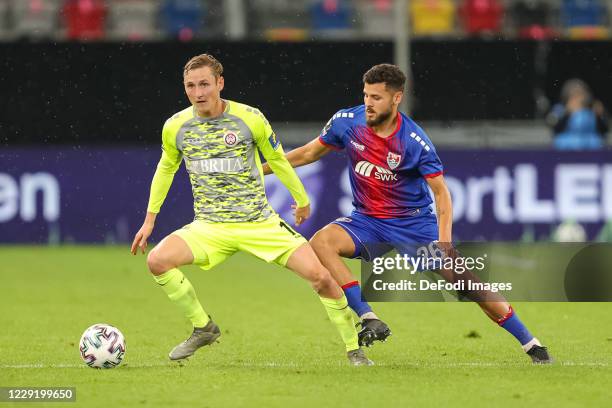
(166, 168)
(331, 134)
(271, 149)
(430, 164)
(423, 155)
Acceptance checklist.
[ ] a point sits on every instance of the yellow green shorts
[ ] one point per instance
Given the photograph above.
(272, 240)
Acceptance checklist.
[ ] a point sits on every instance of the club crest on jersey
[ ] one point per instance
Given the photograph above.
(230, 139)
(393, 160)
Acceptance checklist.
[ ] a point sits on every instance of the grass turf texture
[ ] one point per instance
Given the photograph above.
(277, 348)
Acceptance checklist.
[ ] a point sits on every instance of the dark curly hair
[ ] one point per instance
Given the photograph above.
(391, 75)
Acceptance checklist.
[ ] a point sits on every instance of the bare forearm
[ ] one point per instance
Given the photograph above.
(297, 157)
(444, 211)
(300, 156)
(150, 218)
(143, 234)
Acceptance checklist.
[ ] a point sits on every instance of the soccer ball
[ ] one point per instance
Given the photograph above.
(102, 346)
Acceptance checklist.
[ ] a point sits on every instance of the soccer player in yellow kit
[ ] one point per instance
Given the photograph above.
(220, 141)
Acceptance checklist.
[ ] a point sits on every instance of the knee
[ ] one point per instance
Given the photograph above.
(321, 280)
(157, 263)
(323, 241)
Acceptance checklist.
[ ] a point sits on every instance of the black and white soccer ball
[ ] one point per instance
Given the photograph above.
(102, 346)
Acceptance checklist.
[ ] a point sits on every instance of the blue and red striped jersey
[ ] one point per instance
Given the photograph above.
(388, 174)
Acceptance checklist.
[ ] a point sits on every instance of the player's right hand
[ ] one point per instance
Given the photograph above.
(141, 237)
(301, 213)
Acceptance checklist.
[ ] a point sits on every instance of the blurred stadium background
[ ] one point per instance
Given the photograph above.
(85, 87)
(87, 84)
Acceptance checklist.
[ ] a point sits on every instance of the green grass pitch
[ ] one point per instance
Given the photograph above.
(277, 348)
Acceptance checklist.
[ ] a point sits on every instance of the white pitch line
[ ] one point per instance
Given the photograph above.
(73, 365)
(41, 365)
(273, 364)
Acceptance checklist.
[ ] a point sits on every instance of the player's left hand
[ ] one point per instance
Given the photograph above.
(141, 237)
(301, 213)
(449, 249)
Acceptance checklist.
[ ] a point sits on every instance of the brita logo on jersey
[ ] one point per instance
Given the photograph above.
(216, 165)
(365, 168)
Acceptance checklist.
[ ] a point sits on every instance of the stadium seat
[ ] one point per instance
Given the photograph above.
(481, 16)
(286, 34)
(84, 19)
(279, 20)
(585, 19)
(37, 19)
(182, 19)
(375, 18)
(133, 19)
(432, 17)
(331, 18)
(5, 26)
(532, 19)
(578, 13)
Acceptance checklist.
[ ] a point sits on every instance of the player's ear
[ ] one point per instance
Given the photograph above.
(221, 83)
(397, 98)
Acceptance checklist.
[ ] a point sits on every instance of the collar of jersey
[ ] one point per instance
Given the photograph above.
(392, 135)
(198, 117)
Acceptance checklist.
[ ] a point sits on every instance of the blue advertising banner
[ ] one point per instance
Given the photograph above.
(98, 194)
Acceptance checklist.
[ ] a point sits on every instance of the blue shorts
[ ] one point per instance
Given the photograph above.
(374, 237)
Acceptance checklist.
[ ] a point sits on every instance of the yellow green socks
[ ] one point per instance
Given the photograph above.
(181, 293)
(342, 317)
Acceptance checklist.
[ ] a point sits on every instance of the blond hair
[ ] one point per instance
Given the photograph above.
(204, 60)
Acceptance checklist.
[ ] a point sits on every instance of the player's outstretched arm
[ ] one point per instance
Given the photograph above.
(287, 175)
(162, 180)
(273, 152)
(303, 155)
(143, 234)
(444, 207)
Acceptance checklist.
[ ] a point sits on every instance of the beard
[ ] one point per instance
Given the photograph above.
(377, 120)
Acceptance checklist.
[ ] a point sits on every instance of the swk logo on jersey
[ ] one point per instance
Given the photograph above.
(365, 168)
(393, 160)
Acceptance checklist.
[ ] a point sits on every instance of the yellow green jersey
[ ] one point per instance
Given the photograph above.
(221, 155)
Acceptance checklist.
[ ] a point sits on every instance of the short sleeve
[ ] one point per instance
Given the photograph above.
(331, 134)
(429, 164)
(422, 154)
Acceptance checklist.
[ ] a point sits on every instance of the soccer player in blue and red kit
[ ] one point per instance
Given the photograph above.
(392, 162)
